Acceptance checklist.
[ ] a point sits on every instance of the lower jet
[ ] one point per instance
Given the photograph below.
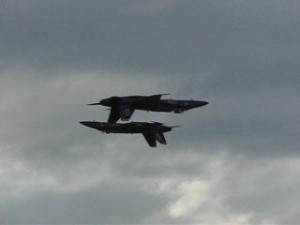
(123, 107)
(151, 131)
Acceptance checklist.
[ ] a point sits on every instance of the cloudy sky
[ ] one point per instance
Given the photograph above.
(234, 161)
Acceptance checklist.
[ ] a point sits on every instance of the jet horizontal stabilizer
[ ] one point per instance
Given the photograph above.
(157, 122)
(164, 94)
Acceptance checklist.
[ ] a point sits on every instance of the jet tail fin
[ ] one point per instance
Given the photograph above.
(153, 99)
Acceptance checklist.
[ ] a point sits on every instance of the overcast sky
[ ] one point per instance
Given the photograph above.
(234, 161)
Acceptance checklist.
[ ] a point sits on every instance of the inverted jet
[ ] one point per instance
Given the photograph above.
(152, 132)
(123, 107)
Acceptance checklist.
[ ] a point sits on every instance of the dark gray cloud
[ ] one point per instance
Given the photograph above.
(174, 37)
(109, 203)
(234, 161)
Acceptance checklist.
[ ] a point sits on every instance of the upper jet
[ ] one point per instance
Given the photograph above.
(123, 107)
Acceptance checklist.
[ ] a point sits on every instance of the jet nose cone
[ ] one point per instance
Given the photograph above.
(103, 102)
(200, 103)
(97, 103)
(204, 103)
(84, 123)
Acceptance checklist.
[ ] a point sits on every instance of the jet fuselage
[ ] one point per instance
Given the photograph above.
(152, 104)
(127, 128)
(176, 106)
(152, 132)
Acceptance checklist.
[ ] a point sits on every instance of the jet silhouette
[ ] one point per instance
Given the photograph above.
(151, 131)
(123, 107)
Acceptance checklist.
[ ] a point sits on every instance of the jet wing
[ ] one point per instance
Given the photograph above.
(150, 139)
(114, 115)
(125, 112)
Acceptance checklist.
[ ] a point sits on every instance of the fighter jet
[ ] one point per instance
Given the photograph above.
(151, 131)
(123, 107)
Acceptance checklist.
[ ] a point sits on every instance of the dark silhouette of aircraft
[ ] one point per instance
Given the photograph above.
(123, 107)
(151, 131)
